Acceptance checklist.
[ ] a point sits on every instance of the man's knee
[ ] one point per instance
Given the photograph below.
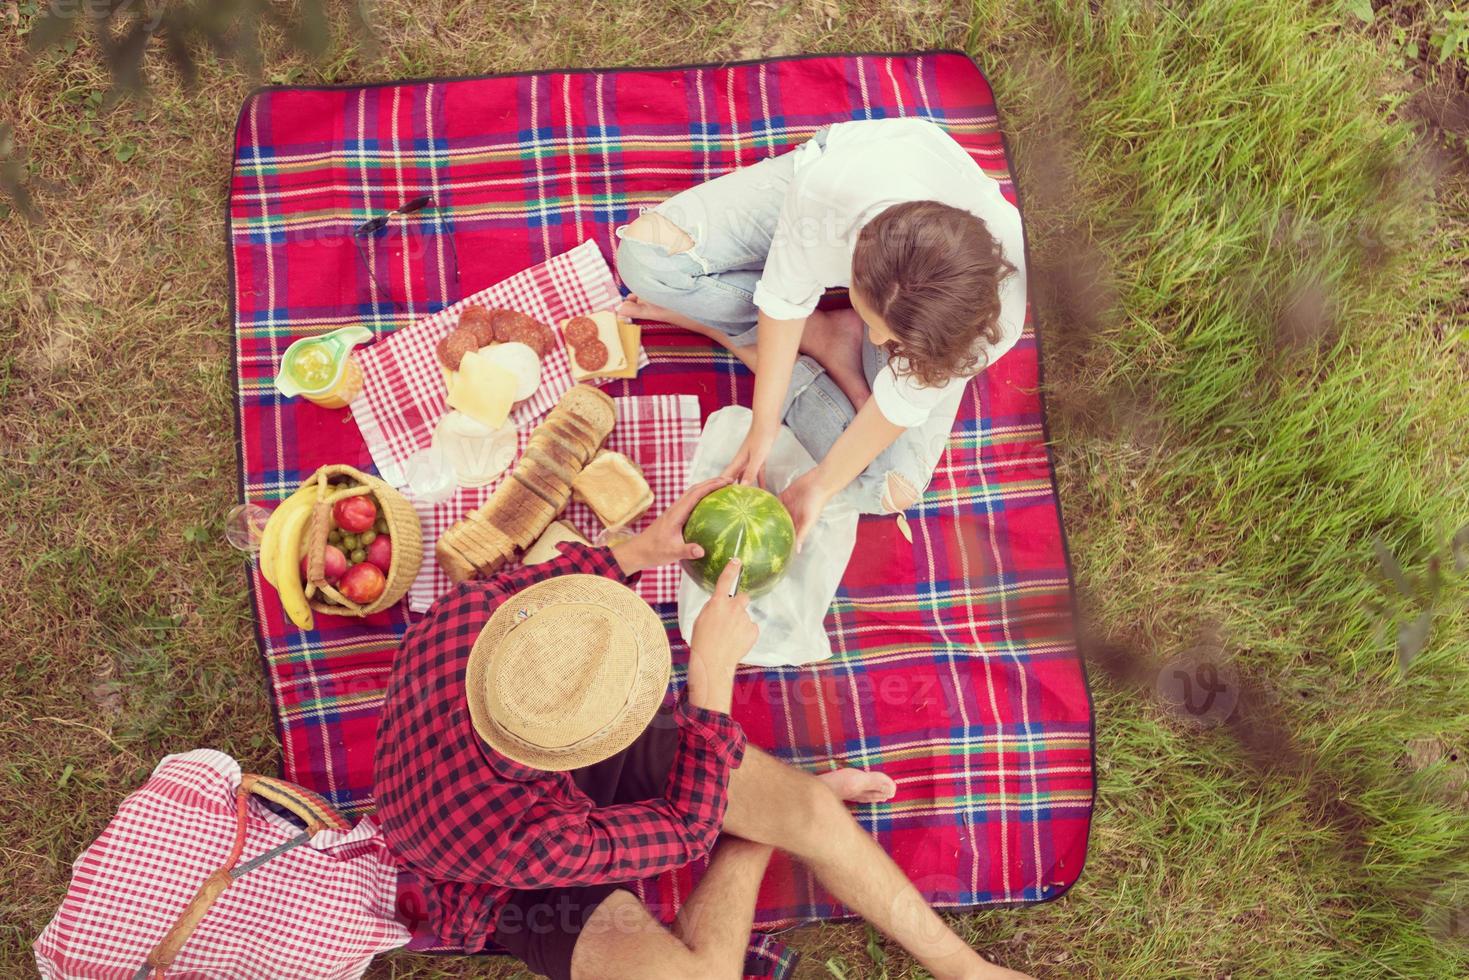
(814, 810)
(688, 964)
(719, 967)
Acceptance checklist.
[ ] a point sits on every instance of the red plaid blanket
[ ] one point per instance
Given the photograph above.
(954, 669)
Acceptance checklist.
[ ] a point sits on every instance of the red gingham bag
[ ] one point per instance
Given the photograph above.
(196, 879)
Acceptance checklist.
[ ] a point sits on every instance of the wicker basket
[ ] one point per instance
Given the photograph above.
(403, 528)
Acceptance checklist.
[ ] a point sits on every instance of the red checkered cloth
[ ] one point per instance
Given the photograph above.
(320, 910)
(403, 394)
(658, 432)
(953, 669)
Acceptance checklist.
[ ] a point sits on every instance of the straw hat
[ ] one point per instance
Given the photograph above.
(567, 672)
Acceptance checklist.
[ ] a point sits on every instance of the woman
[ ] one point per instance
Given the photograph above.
(932, 254)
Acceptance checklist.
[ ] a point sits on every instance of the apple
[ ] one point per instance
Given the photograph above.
(380, 552)
(355, 514)
(336, 564)
(363, 583)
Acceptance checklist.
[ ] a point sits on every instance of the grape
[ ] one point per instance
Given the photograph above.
(367, 537)
(335, 535)
(358, 556)
(381, 526)
(350, 542)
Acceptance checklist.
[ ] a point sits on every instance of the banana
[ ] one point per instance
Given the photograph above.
(287, 566)
(270, 536)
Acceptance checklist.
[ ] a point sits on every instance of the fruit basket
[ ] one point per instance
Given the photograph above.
(392, 514)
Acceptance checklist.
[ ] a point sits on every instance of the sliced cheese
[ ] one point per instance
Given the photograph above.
(476, 455)
(609, 332)
(520, 361)
(632, 347)
(483, 390)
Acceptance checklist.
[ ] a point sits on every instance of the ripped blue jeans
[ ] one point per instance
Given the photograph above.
(731, 221)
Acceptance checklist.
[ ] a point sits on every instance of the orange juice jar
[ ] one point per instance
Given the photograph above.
(321, 369)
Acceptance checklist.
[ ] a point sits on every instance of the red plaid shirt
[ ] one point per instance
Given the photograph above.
(477, 825)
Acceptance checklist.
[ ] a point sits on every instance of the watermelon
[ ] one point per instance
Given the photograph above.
(741, 522)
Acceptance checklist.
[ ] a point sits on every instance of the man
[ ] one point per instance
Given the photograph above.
(525, 771)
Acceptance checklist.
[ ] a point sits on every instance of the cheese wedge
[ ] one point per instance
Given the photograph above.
(483, 390)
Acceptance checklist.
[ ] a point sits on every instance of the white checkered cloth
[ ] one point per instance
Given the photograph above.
(321, 910)
(403, 395)
(658, 432)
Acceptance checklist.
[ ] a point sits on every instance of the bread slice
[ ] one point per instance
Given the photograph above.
(592, 406)
(561, 461)
(615, 489)
(503, 512)
(521, 513)
(569, 434)
(608, 333)
(632, 346)
(489, 545)
(457, 537)
(458, 567)
(536, 506)
(584, 431)
(544, 548)
(535, 486)
(545, 480)
(498, 539)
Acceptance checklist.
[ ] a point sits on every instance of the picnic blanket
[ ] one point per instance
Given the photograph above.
(954, 667)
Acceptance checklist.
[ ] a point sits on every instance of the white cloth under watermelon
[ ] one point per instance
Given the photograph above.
(403, 395)
(658, 432)
(791, 616)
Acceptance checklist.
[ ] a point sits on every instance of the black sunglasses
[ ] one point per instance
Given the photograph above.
(373, 226)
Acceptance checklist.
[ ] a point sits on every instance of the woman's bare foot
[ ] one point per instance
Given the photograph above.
(834, 339)
(859, 785)
(635, 309)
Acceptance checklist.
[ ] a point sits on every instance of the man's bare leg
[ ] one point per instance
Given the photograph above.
(859, 785)
(775, 804)
(622, 940)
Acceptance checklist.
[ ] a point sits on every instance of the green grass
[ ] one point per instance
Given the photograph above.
(1250, 259)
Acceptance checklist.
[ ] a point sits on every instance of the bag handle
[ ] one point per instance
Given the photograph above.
(315, 812)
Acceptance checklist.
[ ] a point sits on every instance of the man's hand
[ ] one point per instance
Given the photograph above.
(661, 542)
(806, 498)
(723, 634)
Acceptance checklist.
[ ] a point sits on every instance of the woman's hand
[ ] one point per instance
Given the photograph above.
(748, 465)
(806, 498)
(662, 543)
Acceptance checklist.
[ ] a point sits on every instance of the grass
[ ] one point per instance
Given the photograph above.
(1248, 232)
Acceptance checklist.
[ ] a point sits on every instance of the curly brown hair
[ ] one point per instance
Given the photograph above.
(932, 272)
